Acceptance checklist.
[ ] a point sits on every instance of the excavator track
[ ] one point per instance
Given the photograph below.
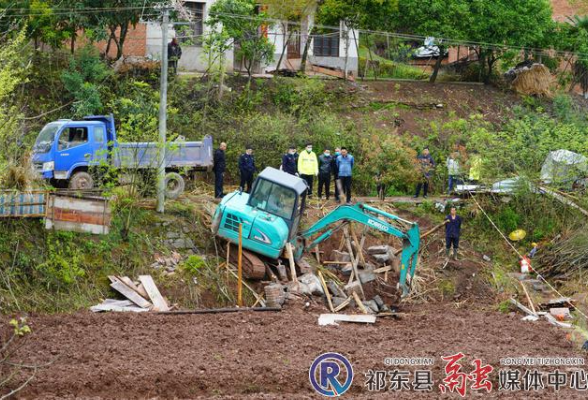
(253, 266)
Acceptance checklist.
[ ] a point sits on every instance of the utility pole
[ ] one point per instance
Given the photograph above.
(162, 115)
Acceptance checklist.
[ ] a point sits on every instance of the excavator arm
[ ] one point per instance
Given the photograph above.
(372, 218)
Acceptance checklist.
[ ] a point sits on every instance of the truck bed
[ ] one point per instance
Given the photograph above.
(142, 155)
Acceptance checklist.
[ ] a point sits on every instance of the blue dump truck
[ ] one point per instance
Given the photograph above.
(67, 152)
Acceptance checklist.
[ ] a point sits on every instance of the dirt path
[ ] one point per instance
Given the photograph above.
(260, 355)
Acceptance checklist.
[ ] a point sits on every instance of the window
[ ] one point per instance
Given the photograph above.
(191, 34)
(99, 134)
(273, 198)
(326, 46)
(72, 137)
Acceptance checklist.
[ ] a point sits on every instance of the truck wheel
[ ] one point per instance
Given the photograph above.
(174, 185)
(81, 181)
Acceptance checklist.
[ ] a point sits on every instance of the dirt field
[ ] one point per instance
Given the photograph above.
(262, 355)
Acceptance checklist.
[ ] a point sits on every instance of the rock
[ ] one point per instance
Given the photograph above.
(337, 301)
(486, 258)
(313, 283)
(353, 287)
(369, 266)
(366, 276)
(335, 289)
(299, 288)
(371, 306)
(346, 270)
(341, 256)
(381, 258)
(385, 309)
(182, 243)
(172, 235)
(379, 301)
(383, 249)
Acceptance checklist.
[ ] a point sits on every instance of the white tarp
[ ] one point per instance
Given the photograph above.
(563, 166)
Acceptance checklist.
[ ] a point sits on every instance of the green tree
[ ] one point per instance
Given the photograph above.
(114, 23)
(83, 80)
(523, 23)
(13, 71)
(240, 20)
(436, 18)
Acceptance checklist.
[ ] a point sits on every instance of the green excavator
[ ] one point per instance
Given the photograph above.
(270, 218)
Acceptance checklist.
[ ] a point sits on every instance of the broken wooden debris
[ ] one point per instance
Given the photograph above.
(326, 291)
(117, 306)
(159, 303)
(221, 310)
(130, 294)
(332, 319)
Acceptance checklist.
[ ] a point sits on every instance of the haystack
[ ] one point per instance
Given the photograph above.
(534, 81)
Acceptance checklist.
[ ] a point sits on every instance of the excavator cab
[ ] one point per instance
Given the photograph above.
(280, 194)
(269, 216)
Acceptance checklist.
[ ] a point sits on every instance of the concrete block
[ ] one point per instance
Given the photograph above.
(379, 301)
(353, 287)
(341, 256)
(366, 276)
(335, 289)
(313, 283)
(371, 306)
(383, 249)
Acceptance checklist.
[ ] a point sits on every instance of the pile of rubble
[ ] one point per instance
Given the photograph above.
(337, 294)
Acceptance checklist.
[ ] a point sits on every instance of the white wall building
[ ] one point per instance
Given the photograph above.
(325, 50)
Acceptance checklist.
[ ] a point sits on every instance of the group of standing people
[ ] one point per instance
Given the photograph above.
(456, 163)
(327, 167)
(307, 165)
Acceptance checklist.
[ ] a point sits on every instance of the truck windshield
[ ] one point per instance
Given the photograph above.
(274, 199)
(46, 137)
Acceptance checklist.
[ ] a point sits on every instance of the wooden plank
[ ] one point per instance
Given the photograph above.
(343, 305)
(290, 253)
(130, 294)
(381, 270)
(140, 290)
(115, 308)
(257, 297)
(326, 289)
(359, 303)
(332, 319)
(522, 307)
(159, 303)
(528, 298)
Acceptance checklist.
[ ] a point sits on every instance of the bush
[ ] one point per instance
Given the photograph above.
(391, 70)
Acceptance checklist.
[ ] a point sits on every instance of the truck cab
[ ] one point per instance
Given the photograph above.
(66, 149)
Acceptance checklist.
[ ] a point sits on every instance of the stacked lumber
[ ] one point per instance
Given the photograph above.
(141, 296)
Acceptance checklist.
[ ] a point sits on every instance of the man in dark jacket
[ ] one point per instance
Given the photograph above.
(174, 53)
(335, 170)
(219, 167)
(325, 170)
(452, 232)
(426, 165)
(246, 169)
(290, 161)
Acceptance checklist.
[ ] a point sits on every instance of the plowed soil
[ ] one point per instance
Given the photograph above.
(264, 355)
